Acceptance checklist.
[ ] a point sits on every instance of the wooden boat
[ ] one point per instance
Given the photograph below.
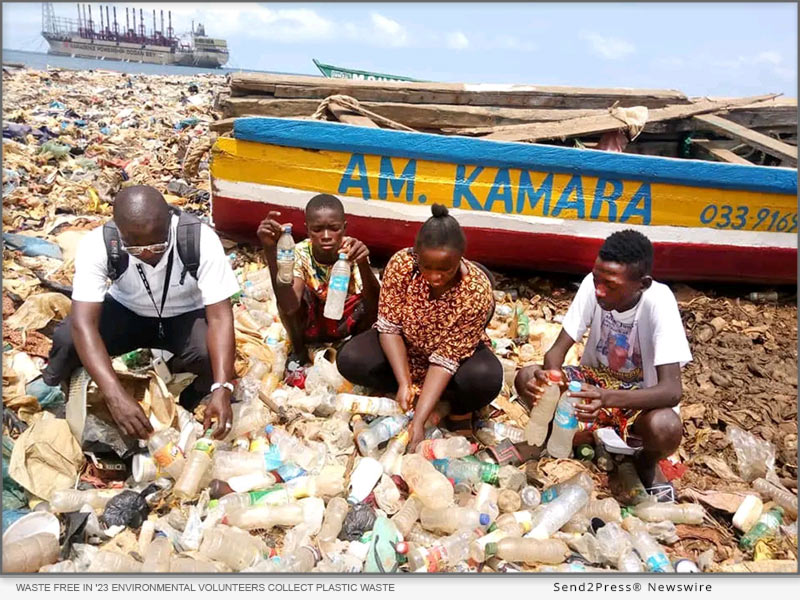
(344, 73)
(522, 205)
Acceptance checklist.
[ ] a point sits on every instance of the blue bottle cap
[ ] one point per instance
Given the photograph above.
(269, 429)
(485, 519)
(342, 256)
(574, 386)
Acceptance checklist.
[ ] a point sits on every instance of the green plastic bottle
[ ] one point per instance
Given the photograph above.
(766, 526)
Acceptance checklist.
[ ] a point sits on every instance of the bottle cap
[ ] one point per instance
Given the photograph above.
(485, 519)
(554, 375)
(574, 386)
(401, 547)
(287, 228)
(342, 256)
(269, 429)
(473, 448)
(490, 549)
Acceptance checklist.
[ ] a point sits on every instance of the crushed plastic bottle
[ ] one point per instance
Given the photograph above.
(335, 513)
(783, 498)
(394, 450)
(616, 547)
(542, 412)
(158, 555)
(651, 552)
(452, 447)
(63, 501)
(265, 516)
(582, 480)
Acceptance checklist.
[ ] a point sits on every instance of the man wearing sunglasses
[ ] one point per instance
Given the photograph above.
(152, 304)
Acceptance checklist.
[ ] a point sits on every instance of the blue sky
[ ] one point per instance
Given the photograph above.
(717, 49)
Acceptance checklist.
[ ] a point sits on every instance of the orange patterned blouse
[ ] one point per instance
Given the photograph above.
(444, 331)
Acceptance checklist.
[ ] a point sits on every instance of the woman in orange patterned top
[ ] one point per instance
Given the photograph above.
(430, 334)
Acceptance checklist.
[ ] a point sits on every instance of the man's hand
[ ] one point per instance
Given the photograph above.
(405, 396)
(588, 408)
(357, 251)
(129, 416)
(417, 434)
(270, 230)
(219, 410)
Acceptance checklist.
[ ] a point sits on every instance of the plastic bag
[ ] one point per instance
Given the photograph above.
(31, 246)
(49, 396)
(127, 508)
(756, 457)
(98, 431)
(358, 521)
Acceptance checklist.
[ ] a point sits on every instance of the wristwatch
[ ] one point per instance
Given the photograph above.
(226, 384)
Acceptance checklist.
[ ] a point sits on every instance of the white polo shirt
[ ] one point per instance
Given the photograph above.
(215, 278)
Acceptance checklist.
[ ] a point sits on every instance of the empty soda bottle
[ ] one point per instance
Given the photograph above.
(63, 501)
(542, 411)
(485, 547)
(237, 549)
(783, 498)
(447, 551)
(459, 469)
(264, 516)
(765, 527)
(163, 447)
(653, 555)
(197, 465)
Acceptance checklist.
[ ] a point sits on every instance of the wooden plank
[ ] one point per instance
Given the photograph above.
(758, 140)
(716, 151)
(344, 115)
(418, 116)
(590, 125)
(290, 86)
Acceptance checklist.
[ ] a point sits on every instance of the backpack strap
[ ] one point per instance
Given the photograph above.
(117, 259)
(188, 242)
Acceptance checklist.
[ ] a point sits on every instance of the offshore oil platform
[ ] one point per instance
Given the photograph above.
(82, 38)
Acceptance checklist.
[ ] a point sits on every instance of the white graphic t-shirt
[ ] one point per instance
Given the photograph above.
(631, 343)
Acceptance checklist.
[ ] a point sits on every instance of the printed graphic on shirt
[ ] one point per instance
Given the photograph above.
(618, 348)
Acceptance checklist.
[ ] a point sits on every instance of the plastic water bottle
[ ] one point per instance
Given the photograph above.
(766, 526)
(542, 412)
(158, 555)
(363, 479)
(337, 288)
(453, 518)
(291, 449)
(582, 480)
(783, 498)
(691, 514)
(448, 551)
(163, 447)
(556, 513)
(379, 431)
(516, 523)
(453, 447)
(470, 471)
(420, 537)
(531, 551)
(653, 555)
(237, 549)
(198, 463)
(31, 553)
(433, 488)
(187, 564)
(565, 424)
(112, 562)
(530, 497)
(227, 464)
(335, 513)
(301, 560)
(502, 431)
(485, 547)
(262, 516)
(405, 518)
(394, 449)
(63, 501)
(486, 500)
(367, 405)
(285, 252)
(616, 548)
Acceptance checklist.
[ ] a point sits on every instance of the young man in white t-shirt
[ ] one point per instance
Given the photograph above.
(192, 318)
(631, 366)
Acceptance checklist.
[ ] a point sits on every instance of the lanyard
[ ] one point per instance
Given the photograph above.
(163, 295)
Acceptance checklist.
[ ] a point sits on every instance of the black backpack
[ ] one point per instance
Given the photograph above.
(187, 238)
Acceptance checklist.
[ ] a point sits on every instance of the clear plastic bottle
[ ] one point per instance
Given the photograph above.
(291, 449)
(452, 518)
(485, 500)
(63, 501)
(65, 566)
(783, 498)
(565, 424)
(163, 447)
(433, 488)
(405, 518)
(470, 471)
(285, 252)
(237, 549)
(394, 449)
(248, 419)
(766, 526)
(630, 488)
(531, 551)
(301, 560)
(582, 480)
(227, 464)
(502, 431)
(651, 552)
(380, 430)
(367, 405)
(542, 412)
(30, 554)
(616, 548)
(146, 533)
(517, 523)
(277, 348)
(453, 447)
(420, 537)
(187, 564)
(447, 551)
(530, 497)
(265, 516)
(197, 466)
(258, 311)
(113, 562)
(335, 513)
(556, 513)
(690, 514)
(337, 288)
(484, 547)
(158, 555)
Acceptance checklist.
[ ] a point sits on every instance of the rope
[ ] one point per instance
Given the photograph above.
(196, 151)
(353, 105)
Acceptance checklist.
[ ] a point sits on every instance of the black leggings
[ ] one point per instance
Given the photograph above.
(477, 382)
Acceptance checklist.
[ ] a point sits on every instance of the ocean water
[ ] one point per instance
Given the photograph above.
(41, 60)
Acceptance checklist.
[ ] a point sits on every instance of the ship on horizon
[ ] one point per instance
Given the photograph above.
(136, 43)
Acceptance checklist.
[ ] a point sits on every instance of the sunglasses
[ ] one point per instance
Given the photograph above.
(159, 248)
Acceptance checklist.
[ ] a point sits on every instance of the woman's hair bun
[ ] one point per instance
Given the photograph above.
(439, 211)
